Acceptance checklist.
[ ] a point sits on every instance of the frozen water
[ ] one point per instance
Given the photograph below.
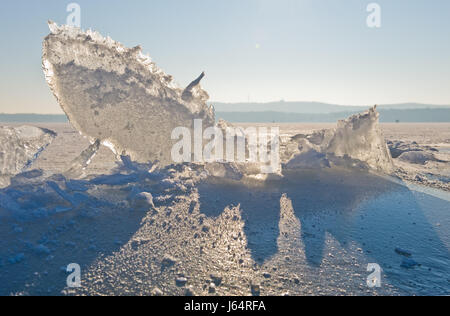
(83, 160)
(118, 95)
(20, 146)
(417, 157)
(360, 138)
(313, 231)
(308, 232)
(355, 142)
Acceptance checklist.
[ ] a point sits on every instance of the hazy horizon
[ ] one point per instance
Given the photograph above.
(425, 105)
(254, 50)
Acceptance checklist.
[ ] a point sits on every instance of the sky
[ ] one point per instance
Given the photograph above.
(251, 50)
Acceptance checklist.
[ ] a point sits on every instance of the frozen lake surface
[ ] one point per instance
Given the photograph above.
(310, 233)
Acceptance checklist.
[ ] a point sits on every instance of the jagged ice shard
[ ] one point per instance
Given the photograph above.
(19, 147)
(118, 95)
(355, 142)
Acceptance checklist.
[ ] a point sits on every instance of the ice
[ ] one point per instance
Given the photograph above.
(42, 250)
(118, 96)
(408, 263)
(355, 142)
(422, 163)
(310, 159)
(17, 258)
(83, 160)
(20, 146)
(417, 157)
(224, 170)
(403, 252)
(399, 147)
(143, 200)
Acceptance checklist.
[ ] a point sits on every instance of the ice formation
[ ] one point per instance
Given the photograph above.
(418, 157)
(83, 160)
(355, 142)
(118, 95)
(20, 146)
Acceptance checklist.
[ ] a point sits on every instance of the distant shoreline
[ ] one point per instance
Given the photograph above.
(33, 118)
(440, 115)
(386, 116)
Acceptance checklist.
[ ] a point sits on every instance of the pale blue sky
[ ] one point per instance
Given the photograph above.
(262, 50)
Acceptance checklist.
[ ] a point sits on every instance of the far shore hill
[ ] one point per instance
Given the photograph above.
(289, 112)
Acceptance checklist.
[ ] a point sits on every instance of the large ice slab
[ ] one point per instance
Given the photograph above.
(356, 142)
(118, 95)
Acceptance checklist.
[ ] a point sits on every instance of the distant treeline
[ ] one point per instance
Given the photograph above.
(386, 116)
